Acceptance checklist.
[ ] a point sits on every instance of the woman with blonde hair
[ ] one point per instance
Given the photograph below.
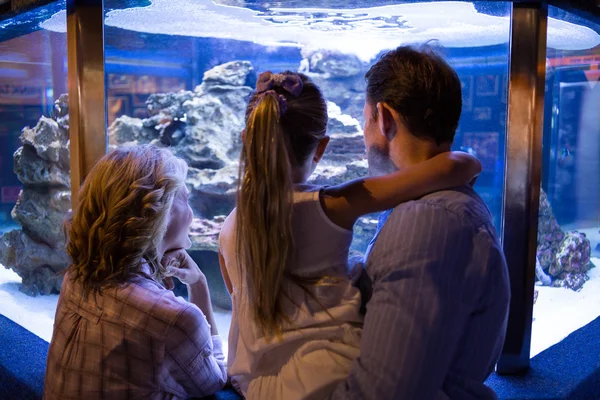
(296, 321)
(119, 333)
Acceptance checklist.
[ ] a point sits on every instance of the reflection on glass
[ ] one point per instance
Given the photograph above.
(34, 168)
(567, 295)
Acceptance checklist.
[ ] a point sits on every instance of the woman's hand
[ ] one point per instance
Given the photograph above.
(180, 265)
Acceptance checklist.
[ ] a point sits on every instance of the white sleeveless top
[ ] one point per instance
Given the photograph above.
(318, 347)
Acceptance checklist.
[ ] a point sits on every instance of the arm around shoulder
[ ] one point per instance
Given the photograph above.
(345, 203)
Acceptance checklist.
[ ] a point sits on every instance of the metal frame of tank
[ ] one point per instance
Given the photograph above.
(87, 83)
(523, 171)
(527, 66)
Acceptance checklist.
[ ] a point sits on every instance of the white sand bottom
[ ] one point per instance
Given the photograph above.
(560, 311)
(557, 312)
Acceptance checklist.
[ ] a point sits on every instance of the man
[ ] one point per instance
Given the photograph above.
(436, 318)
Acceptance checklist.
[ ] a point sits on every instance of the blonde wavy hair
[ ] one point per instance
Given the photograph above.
(123, 215)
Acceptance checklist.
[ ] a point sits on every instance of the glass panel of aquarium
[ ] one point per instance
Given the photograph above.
(568, 280)
(35, 189)
(179, 74)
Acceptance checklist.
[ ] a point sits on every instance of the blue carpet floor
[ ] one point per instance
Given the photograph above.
(22, 362)
(569, 370)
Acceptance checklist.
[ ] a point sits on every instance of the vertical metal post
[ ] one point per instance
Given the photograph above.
(523, 175)
(87, 102)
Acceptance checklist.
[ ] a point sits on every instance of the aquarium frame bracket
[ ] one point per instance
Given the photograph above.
(87, 100)
(523, 170)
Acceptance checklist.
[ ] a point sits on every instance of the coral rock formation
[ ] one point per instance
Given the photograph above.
(563, 257)
(203, 127)
(340, 76)
(36, 252)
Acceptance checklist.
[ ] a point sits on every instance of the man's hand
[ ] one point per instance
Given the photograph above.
(180, 265)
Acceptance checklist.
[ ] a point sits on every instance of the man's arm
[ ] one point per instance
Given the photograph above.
(345, 203)
(422, 291)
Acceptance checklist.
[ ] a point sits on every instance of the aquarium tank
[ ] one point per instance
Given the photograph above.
(178, 74)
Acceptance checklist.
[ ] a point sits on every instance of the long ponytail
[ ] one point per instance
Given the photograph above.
(264, 212)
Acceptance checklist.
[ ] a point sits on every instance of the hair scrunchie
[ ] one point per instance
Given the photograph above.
(268, 81)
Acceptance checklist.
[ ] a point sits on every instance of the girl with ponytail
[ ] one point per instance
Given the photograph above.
(296, 320)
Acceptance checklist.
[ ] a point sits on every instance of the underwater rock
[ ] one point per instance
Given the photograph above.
(48, 141)
(345, 149)
(203, 127)
(331, 64)
(234, 73)
(549, 233)
(564, 257)
(573, 255)
(130, 131)
(346, 143)
(541, 276)
(167, 104)
(340, 77)
(43, 158)
(571, 281)
(36, 252)
(340, 123)
(212, 191)
(41, 214)
(572, 261)
(205, 233)
(36, 263)
(328, 174)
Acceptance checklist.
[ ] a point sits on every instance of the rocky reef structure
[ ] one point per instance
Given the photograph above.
(341, 76)
(36, 252)
(563, 258)
(203, 127)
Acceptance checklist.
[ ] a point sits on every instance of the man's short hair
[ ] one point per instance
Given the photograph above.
(420, 85)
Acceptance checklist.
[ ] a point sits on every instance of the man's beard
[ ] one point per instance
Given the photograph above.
(380, 162)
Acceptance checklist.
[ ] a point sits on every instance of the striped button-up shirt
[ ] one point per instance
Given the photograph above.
(436, 317)
(136, 341)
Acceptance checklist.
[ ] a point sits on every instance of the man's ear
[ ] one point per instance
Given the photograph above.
(321, 149)
(386, 121)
